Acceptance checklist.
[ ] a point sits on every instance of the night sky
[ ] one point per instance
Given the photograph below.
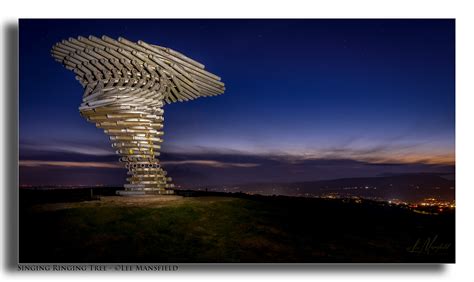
(305, 100)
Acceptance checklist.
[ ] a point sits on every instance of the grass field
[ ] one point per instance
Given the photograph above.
(231, 229)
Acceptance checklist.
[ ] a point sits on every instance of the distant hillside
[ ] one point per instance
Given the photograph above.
(406, 187)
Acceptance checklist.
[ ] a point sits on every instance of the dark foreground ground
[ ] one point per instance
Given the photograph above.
(229, 228)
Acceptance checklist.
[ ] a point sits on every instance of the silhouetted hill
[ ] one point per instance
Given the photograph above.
(406, 187)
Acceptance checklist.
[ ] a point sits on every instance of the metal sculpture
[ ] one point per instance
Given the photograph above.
(126, 85)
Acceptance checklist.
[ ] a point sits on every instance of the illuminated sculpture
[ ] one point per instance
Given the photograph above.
(126, 85)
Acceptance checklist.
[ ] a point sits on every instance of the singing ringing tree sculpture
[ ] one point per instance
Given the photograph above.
(126, 85)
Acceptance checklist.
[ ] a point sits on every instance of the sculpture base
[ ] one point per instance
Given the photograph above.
(143, 193)
(130, 193)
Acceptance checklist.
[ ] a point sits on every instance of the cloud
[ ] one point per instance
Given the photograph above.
(355, 149)
(34, 163)
(211, 167)
(68, 147)
(210, 163)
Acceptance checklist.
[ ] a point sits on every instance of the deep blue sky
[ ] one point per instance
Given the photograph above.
(371, 91)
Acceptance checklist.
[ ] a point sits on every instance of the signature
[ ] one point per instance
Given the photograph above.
(429, 246)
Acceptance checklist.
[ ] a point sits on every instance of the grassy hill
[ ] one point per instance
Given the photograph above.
(230, 229)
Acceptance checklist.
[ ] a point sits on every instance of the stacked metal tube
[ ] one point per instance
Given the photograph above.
(126, 85)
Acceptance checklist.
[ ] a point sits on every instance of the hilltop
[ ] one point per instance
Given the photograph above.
(226, 228)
